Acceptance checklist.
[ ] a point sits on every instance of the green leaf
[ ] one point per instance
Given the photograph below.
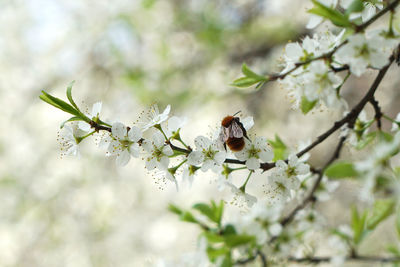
(355, 6)
(249, 73)
(227, 261)
(186, 216)
(333, 15)
(307, 105)
(69, 95)
(214, 253)
(174, 209)
(279, 148)
(218, 211)
(358, 225)
(341, 234)
(368, 138)
(398, 223)
(71, 119)
(213, 238)
(245, 82)
(393, 249)
(206, 211)
(58, 103)
(385, 136)
(341, 170)
(382, 209)
(229, 229)
(238, 240)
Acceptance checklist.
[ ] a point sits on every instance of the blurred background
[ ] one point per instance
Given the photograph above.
(129, 54)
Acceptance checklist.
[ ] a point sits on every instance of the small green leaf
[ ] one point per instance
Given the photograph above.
(398, 223)
(333, 15)
(206, 211)
(69, 120)
(341, 235)
(174, 209)
(355, 6)
(341, 170)
(382, 209)
(229, 229)
(69, 95)
(279, 148)
(214, 253)
(307, 105)
(213, 238)
(358, 225)
(238, 240)
(244, 82)
(368, 138)
(227, 261)
(186, 216)
(393, 249)
(219, 210)
(58, 103)
(249, 73)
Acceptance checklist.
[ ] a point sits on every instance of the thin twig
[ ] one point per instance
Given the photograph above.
(378, 112)
(371, 259)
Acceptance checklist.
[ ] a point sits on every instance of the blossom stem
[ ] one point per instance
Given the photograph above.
(158, 126)
(89, 134)
(243, 187)
(388, 118)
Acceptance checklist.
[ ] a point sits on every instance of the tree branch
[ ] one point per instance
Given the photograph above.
(370, 259)
(378, 112)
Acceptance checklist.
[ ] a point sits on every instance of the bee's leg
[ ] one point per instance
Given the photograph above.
(225, 146)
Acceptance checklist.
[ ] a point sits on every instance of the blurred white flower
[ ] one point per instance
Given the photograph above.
(154, 117)
(157, 151)
(96, 108)
(368, 11)
(395, 126)
(321, 83)
(69, 138)
(255, 151)
(207, 154)
(124, 143)
(287, 173)
(241, 198)
(173, 125)
(361, 52)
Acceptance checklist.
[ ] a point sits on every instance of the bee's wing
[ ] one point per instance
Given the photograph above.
(223, 134)
(236, 130)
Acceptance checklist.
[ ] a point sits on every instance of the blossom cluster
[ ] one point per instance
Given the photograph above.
(157, 140)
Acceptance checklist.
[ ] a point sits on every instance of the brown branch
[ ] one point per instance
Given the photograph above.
(370, 259)
(378, 112)
(388, 8)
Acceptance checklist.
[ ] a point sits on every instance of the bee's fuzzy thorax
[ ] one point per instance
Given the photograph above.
(227, 121)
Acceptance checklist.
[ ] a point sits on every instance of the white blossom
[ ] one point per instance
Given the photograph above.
(124, 143)
(368, 12)
(69, 139)
(96, 108)
(361, 52)
(395, 126)
(207, 154)
(255, 151)
(287, 173)
(158, 152)
(321, 83)
(240, 198)
(154, 117)
(173, 125)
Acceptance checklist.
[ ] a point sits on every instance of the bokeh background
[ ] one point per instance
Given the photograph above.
(129, 54)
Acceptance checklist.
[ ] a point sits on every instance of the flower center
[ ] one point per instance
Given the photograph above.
(253, 152)
(291, 171)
